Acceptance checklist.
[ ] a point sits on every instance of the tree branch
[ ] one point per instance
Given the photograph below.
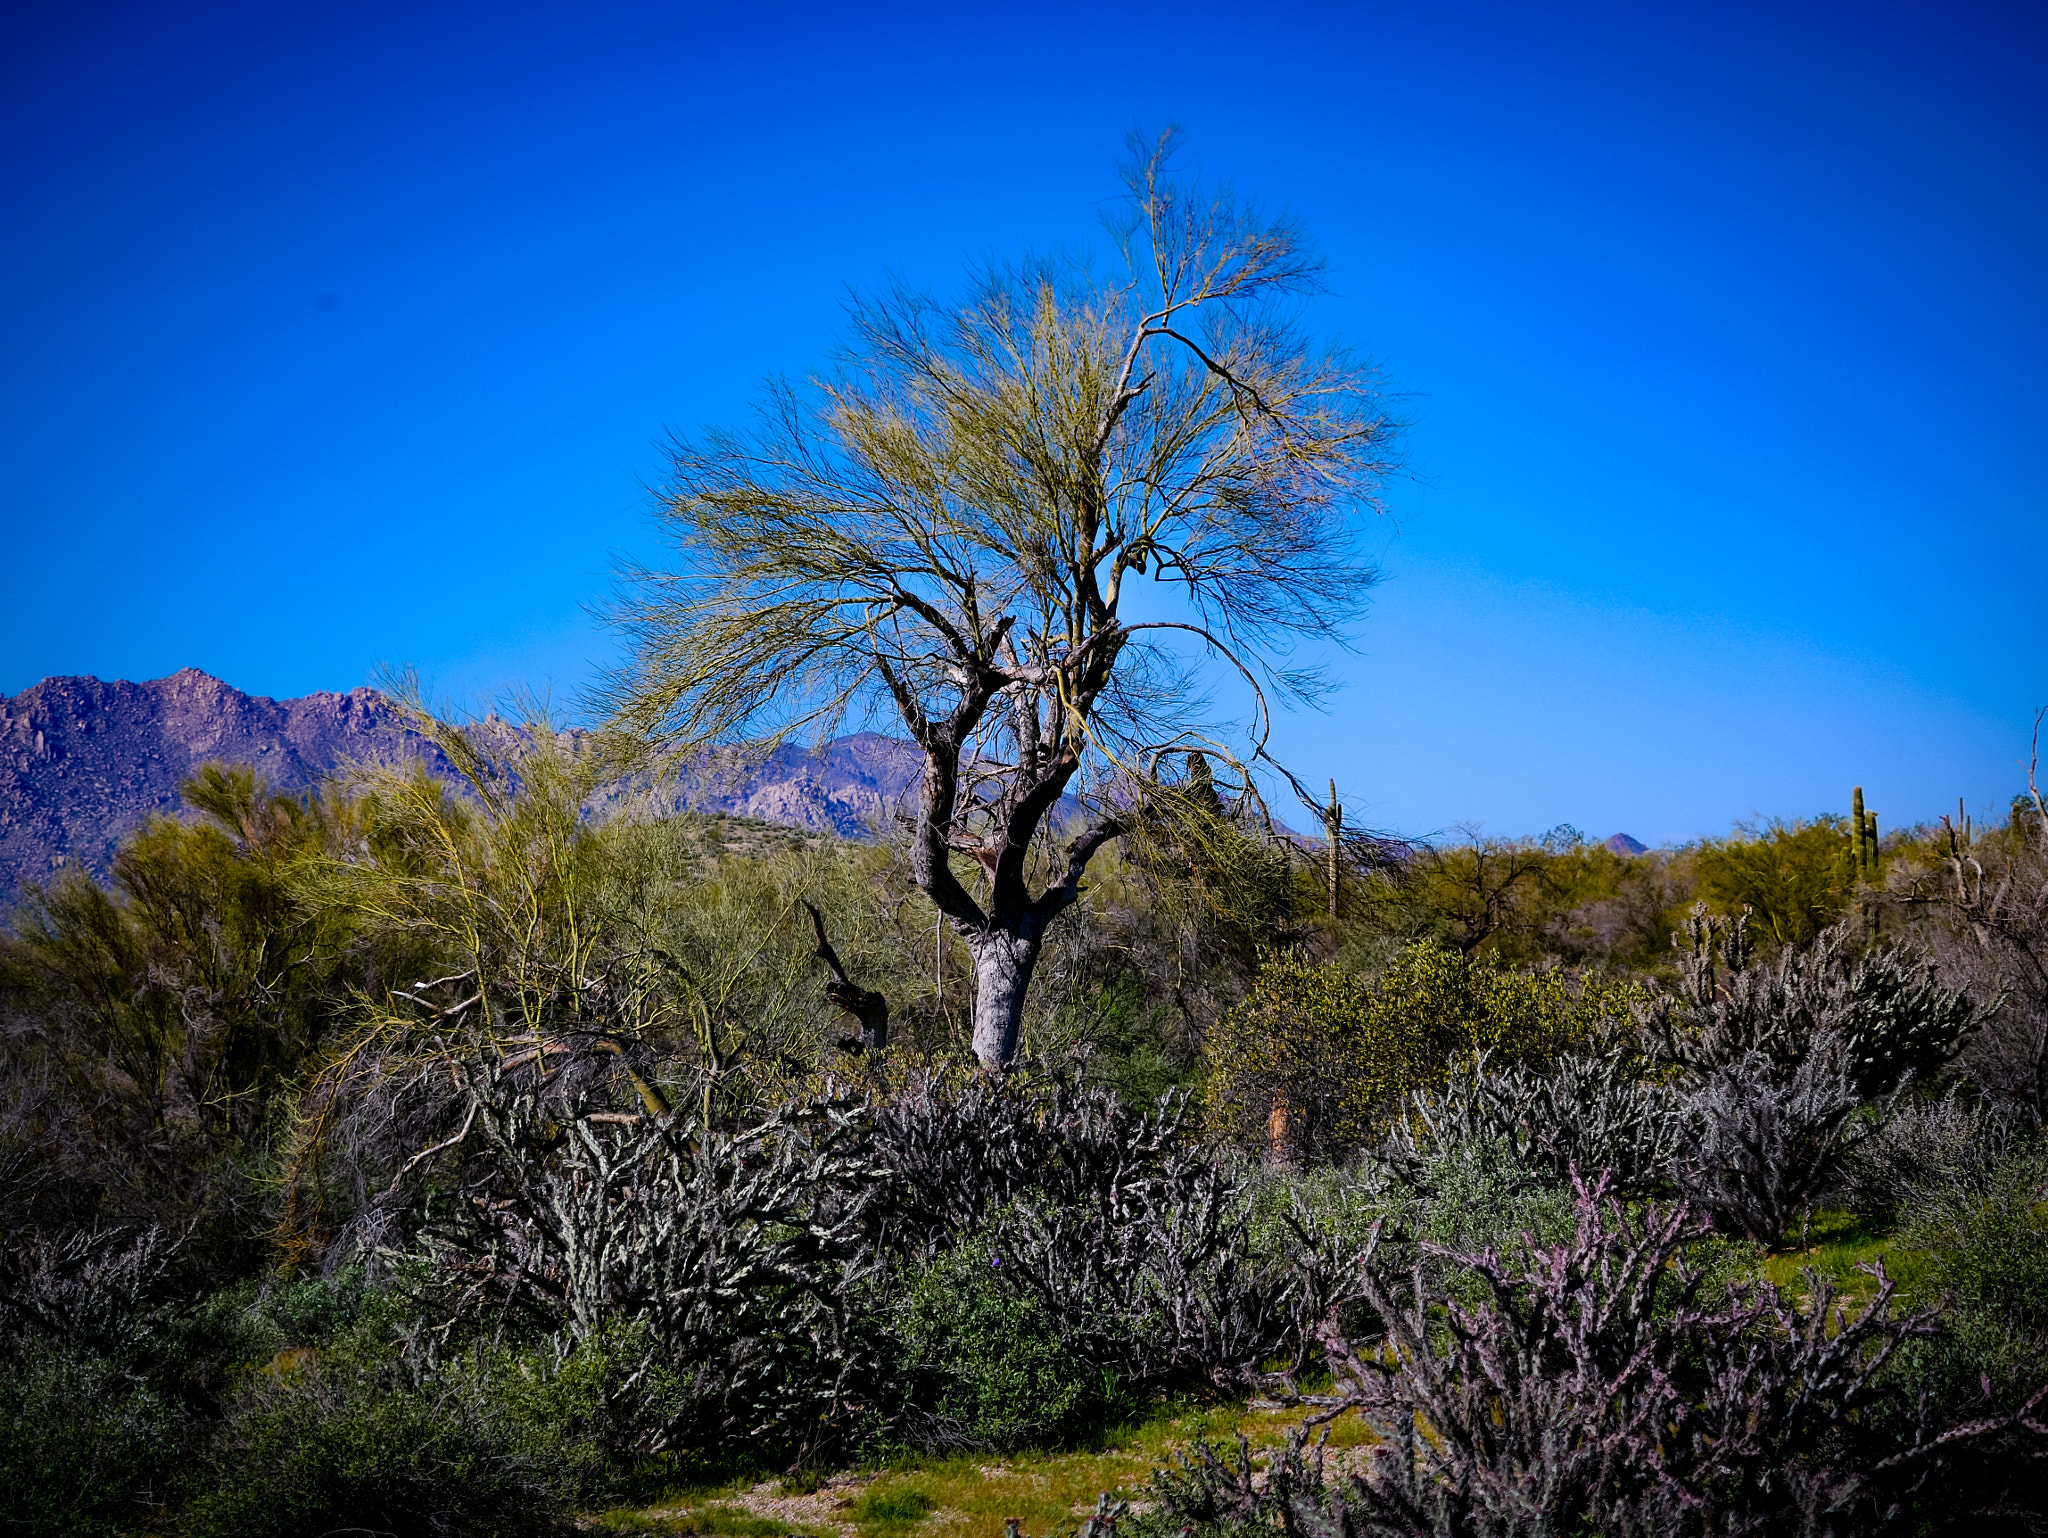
(870, 1009)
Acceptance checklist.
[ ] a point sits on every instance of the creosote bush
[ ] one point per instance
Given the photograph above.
(997, 1372)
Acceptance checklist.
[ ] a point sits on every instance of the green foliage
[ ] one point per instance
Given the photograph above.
(1294, 1061)
(86, 1446)
(1986, 1267)
(165, 1020)
(1988, 1263)
(1796, 878)
(1527, 901)
(1482, 1197)
(991, 1363)
(331, 1446)
(1117, 1032)
(1337, 1054)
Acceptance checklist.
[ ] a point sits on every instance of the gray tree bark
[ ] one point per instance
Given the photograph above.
(1003, 963)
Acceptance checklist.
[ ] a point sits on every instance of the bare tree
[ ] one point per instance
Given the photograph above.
(948, 529)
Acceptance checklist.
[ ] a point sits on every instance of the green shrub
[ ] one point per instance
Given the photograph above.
(328, 1446)
(1481, 1197)
(240, 1329)
(570, 1421)
(1988, 1269)
(988, 1366)
(85, 1447)
(1337, 1054)
(1795, 878)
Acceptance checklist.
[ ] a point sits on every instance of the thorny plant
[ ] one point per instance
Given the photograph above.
(1985, 903)
(1588, 1112)
(1596, 1386)
(1893, 1017)
(732, 1258)
(503, 876)
(736, 1276)
(1782, 1057)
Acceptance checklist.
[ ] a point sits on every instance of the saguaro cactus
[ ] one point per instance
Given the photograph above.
(1333, 832)
(1863, 837)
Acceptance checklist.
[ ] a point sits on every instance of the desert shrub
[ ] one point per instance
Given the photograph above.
(1988, 1245)
(1979, 902)
(1449, 1004)
(1987, 1241)
(1336, 1054)
(1593, 1387)
(740, 1264)
(333, 1445)
(1479, 1195)
(1781, 1057)
(1797, 878)
(86, 1446)
(725, 1257)
(100, 1290)
(1121, 1224)
(1932, 1151)
(1153, 1277)
(959, 1147)
(1292, 1065)
(987, 1368)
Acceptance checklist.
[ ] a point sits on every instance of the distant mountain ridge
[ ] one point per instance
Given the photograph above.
(84, 762)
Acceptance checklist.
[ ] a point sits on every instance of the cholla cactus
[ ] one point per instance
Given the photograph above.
(726, 1257)
(1119, 1223)
(1887, 1007)
(1597, 1387)
(1765, 1145)
(1588, 1113)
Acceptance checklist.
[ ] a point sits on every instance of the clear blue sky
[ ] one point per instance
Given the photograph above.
(333, 336)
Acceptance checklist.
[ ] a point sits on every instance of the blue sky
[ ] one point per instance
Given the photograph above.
(1720, 330)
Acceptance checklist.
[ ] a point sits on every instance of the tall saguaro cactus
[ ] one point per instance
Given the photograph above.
(1863, 843)
(1863, 838)
(1333, 830)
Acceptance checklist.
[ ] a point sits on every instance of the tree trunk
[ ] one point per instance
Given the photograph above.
(1004, 960)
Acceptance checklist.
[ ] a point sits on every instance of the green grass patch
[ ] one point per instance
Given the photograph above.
(970, 1494)
(974, 1493)
(888, 1506)
(1838, 1245)
(713, 1521)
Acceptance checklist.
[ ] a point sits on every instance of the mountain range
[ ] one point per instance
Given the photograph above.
(84, 762)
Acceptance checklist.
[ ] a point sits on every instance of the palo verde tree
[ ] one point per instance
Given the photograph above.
(948, 531)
